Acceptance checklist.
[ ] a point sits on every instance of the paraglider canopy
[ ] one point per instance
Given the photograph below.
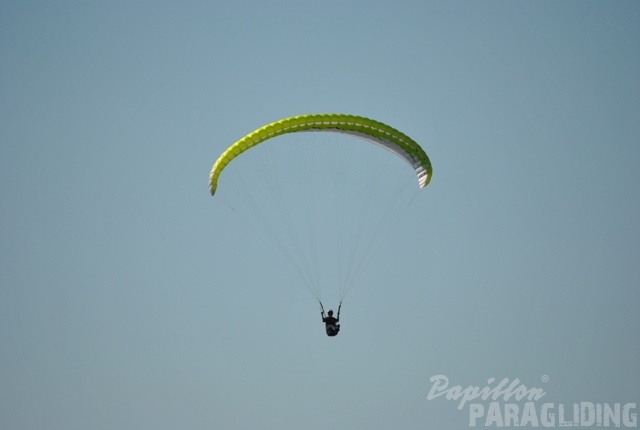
(322, 190)
(372, 130)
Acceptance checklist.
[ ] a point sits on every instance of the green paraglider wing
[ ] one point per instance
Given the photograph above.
(369, 129)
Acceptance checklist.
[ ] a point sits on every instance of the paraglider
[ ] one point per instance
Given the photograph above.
(330, 322)
(323, 204)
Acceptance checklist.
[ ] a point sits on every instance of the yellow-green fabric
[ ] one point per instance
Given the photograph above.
(372, 130)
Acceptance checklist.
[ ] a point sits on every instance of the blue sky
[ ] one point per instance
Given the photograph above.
(129, 298)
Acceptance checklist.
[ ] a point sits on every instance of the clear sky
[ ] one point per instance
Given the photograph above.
(130, 298)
